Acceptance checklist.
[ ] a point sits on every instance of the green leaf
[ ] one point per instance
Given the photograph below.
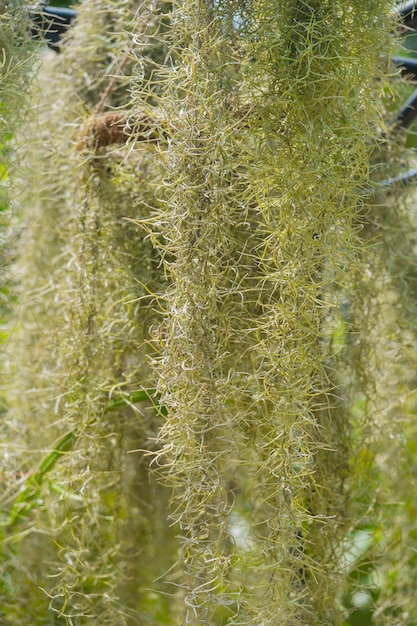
(26, 500)
(142, 395)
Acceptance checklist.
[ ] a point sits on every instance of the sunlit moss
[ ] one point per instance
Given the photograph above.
(275, 117)
(199, 218)
(87, 281)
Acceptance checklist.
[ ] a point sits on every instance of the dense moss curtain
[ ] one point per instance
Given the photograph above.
(263, 248)
(214, 333)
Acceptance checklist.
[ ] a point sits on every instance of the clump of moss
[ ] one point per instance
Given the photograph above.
(198, 200)
(274, 123)
(15, 73)
(87, 280)
(383, 319)
(15, 69)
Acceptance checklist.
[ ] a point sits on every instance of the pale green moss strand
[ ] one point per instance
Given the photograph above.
(312, 123)
(81, 340)
(269, 159)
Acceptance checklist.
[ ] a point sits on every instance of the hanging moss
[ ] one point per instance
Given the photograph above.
(83, 521)
(382, 314)
(274, 114)
(16, 70)
(203, 278)
(15, 73)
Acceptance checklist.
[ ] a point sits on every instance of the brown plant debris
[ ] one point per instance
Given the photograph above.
(108, 129)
